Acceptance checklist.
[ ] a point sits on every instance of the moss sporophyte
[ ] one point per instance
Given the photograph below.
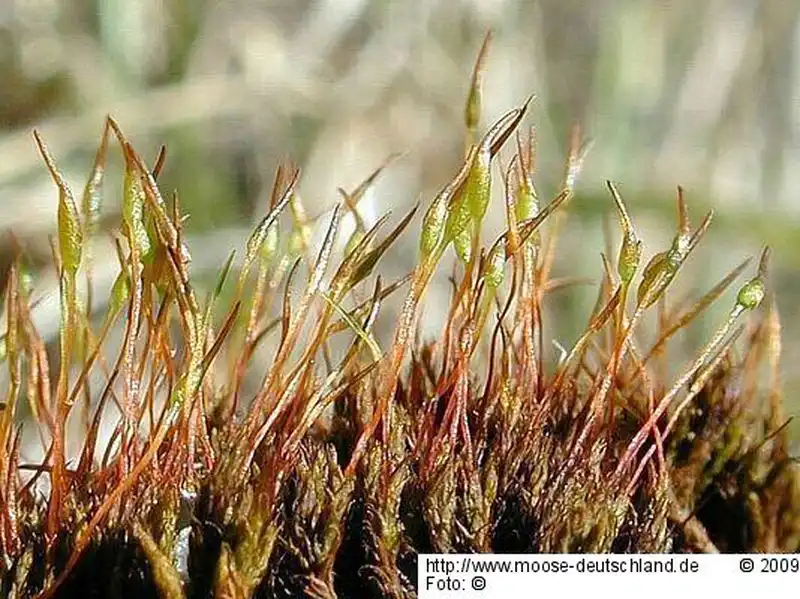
(326, 472)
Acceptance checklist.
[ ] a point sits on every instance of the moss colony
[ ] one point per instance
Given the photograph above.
(331, 477)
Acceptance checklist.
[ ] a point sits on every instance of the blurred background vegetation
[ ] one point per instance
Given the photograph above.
(705, 94)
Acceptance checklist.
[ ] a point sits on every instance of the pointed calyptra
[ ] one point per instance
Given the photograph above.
(630, 252)
(70, 231)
